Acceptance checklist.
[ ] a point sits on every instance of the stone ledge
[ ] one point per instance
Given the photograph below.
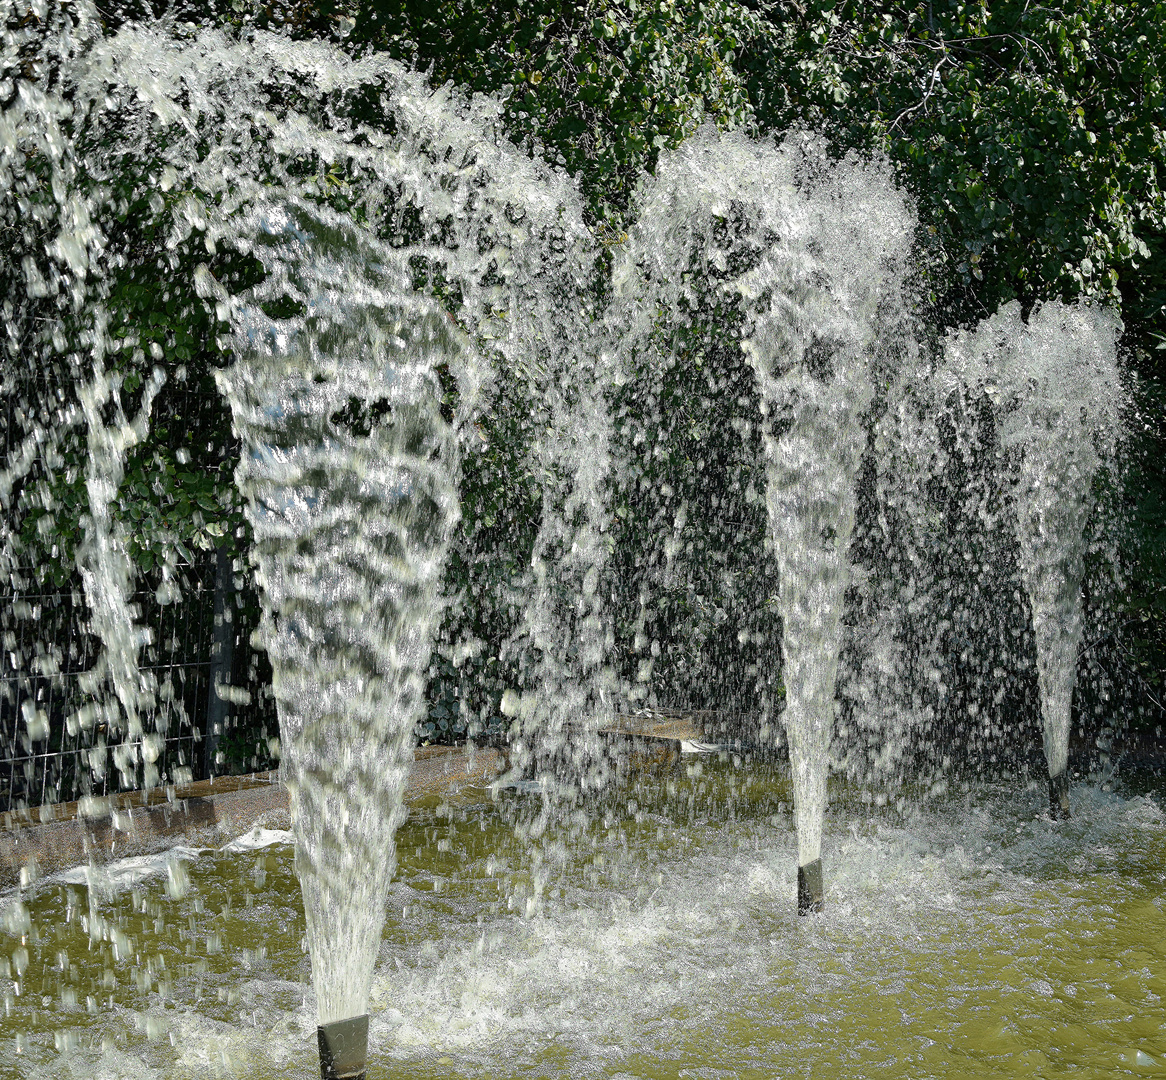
(205, 814)
(210, 813)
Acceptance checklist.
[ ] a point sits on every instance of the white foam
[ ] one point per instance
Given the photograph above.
(709, 927)
(607, 968)
(124, 873)
(259, 838)
(121, 874)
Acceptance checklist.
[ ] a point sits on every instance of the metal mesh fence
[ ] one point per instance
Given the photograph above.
(54, 746)
(54, 749)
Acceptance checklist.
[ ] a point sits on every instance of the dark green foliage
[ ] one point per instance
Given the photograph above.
(694, 581)
(1140, 647)
(501, 508)
(600, 86)
(1033, 138)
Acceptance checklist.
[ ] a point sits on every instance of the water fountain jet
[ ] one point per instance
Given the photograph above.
(351, 508)
(815, 248)
(1057, 398)
(349, 467)
(351, 505)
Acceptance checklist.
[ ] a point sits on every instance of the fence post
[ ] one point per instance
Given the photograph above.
(222, 655)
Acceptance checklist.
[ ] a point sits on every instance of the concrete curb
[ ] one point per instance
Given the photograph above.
(210, 813)
(206, 814)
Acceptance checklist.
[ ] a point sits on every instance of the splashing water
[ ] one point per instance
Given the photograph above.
(106, 573)
(560, 648)
(970, 934)
(59, 284)
(351, 515)
(374, 324)
(812, 250)
(349, 468)
(1055, 391)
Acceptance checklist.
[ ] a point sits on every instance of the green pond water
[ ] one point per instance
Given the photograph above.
(653, 936)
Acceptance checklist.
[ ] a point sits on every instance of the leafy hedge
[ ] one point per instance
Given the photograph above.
(1032, 136)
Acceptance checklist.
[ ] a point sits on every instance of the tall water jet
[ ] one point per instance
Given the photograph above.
(350, 385)
(349, 470)
(352, 478)
(116, 682)
(64, 379)
(816, 363)
(812, 249)
(1057, 396)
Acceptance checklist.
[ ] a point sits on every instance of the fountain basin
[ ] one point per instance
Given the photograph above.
(207, 813)
(967, 937)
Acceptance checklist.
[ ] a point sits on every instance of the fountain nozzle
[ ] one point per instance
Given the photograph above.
(343, 1048)
(810, 901)
(1059, 796)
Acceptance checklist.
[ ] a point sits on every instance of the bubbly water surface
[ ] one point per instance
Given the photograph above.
(970, 937)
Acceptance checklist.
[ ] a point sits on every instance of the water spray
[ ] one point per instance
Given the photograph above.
(813, 277)
(1053, 385)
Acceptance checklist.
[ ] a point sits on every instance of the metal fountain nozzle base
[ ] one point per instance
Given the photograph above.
(810, 893)
(344, 1048)
(1059, 796)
